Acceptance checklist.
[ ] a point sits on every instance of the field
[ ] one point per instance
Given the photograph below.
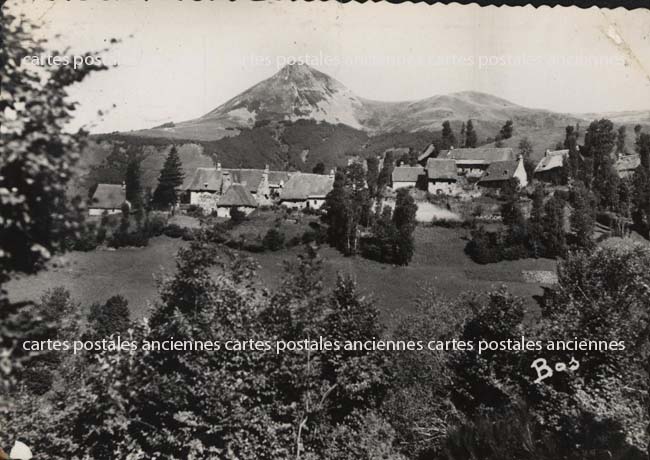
(439, 263)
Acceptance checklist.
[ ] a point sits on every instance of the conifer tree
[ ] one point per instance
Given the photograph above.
(171, 178)
(448, 137)
(470, 135)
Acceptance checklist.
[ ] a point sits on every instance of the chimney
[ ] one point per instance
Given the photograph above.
(332, 174)
(226, 181)
(547, 152)
(123, 186)
(218, 166)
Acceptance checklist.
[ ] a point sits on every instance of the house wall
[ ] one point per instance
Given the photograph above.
(205, 200)
(399, 185)
(294, 204)
(224, 211)
(446, 187)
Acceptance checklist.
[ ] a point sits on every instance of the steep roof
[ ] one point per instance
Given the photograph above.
(480, 154)
(441, 168)
(552, 159)
(302, 186)
(249, 178)
(237, 195)
(499, 170)
(427, 152)
(207, 179)
(108, 196)
(407, 173)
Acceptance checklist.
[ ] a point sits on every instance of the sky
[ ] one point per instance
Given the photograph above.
(180, 59)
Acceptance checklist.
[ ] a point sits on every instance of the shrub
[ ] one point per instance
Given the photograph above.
(87, 241)
(112, 317)
(237, 216)
(194, 211)
(122, 239)
(155, 225)
(174, 231)
(188, 234)
(273, 240)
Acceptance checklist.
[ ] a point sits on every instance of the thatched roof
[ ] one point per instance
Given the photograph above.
(108, 196)
(237, 195)
(407, 173)
(302, 186)
(278, 177)
(441, 168)
(205, 179)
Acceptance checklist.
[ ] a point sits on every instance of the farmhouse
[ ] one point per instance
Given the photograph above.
(549, 168)
(442, 176)
(474, 162)
(406, 176)
(304, 190)
(208, 184)
(626, 165)
(108, 198)
(236, 197)
(500, 172)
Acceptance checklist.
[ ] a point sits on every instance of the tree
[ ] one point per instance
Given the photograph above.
(536, 223)
(404, 220)
(37, 159)
(448, 137)
(582, 216)
(620, 141)
(470, 139)
(385, 175)
(372, 175)
(463, 135)
(169, 181)
(554, 237)
(133, 182)
(112, 317)
(319, 168)
(506, 131)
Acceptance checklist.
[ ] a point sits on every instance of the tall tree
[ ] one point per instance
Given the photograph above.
(404, 220)
(448, 137)
(470, 138)
(507, 130)
(37, 160)
(170, 179)
(133, 183)
(620, 140)
(463, 135)
(554, 236)
(582, 216)
(386, 173)
(372, 175)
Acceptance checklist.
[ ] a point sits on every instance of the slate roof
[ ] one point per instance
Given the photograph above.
(553, 159)
(480, 154)
(407, 173)
(441, 168)
(108, 196)
(237, 195)
(499, 170)
(302, 186)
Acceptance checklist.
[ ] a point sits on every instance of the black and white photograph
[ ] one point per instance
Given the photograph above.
(275, 230)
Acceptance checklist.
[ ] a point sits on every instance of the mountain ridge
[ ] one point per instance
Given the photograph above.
(300, 92)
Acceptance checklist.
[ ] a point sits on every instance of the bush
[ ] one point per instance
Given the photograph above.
(484, 247)
(188, 234)
(155, 225)
(237, 216)
(273, 240)
(194, 211)
(87, 241)
(173, 231)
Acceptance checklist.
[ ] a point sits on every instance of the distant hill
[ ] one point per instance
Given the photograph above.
(299, 92)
